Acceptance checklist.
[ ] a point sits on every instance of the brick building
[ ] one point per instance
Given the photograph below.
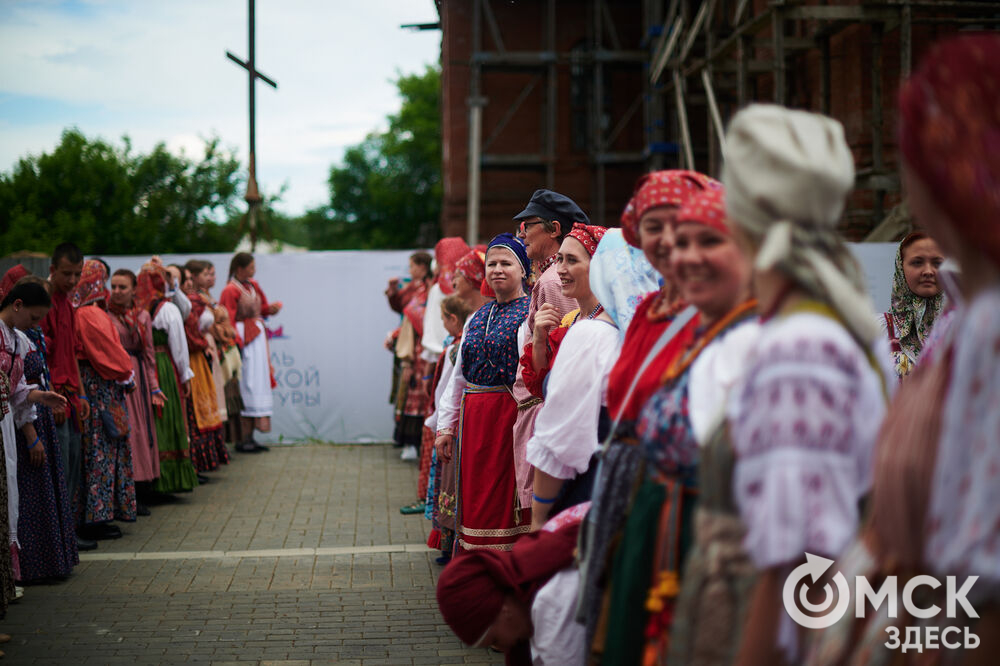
(583, 96)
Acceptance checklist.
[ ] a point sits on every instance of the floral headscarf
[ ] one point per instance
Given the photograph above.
(151, 287)
(661, 188)
(92, 287)
(447, 252)
(912, 317)
(949, 133)
(620, 277)
(589, 236)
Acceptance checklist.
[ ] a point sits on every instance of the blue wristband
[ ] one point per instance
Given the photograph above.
(35, 443)
(543, 501)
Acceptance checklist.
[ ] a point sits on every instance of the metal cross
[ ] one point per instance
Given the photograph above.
(252, 197)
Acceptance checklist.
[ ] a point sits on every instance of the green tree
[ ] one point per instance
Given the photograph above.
(387, 191)
(109, 200)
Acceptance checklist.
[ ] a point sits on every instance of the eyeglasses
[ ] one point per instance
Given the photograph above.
(524, 225)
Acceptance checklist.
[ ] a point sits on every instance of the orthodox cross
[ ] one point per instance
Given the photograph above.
(252, 197)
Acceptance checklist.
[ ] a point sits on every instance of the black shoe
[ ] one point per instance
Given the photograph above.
(141, 509)
(248, 447)
(202, 479)
(261, 447)
(85, 544)
(102, 531)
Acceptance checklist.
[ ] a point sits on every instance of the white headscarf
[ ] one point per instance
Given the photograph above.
(787, 174)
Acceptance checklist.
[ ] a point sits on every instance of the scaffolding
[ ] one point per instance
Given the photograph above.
(699, 61)
(600, 48)
(714, 56)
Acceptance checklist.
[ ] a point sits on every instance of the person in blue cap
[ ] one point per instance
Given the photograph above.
(542, 225)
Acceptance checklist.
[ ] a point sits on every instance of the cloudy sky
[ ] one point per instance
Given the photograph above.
(157, 71)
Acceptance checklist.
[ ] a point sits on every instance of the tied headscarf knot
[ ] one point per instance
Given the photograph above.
(787, 176)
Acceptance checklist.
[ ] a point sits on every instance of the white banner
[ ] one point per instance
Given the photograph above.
(333, 373)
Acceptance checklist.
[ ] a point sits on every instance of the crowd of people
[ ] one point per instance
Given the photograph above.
(628, 438)
(117, 391)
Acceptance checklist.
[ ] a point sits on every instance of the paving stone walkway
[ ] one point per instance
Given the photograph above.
(295, 556)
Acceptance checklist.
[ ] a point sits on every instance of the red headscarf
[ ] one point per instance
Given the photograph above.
(708, 208)
(447, 253)
(472, 587)
(472, 267)
(949, 133)
(661, 188)
(589, 236)
(92, 285)
(151, 286)
(10, 278)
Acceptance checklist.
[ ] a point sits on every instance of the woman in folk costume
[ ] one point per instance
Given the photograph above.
(46, 526)
(661, 326)
(108, 488)
(23, 306)
(786, 470)
(223, 354)
(918, 300)
(412, 398)
(204, 421)
(711, 275)
(247, 306)
(135, 331)
(468, 284)
(573, 419)
(173, 372)
(447, 252)
(477, 411)
(934, 507)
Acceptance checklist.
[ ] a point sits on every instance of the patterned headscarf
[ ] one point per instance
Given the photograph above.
(589, 236)
(708, 208)
(92, 287)
(11, 277)
(516, 247)
(912, 315)
(620, 277)
(661, 188)
(151, 287)
(472, 267)
(949, 133)
(447, 252)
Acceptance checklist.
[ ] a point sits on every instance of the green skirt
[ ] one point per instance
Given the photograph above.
(177, 474)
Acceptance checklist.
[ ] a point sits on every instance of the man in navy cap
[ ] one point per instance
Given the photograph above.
(542, 225)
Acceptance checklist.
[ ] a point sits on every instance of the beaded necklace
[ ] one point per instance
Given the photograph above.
(679, 365)
(593, 313)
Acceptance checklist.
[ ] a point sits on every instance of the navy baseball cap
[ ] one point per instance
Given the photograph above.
(550, 206)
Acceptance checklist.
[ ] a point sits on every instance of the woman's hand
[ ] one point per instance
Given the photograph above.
(50, 399)
(158, 398)
(186, 389)
(276, 307)
(443, 444)
(37, 455)
(546, 319)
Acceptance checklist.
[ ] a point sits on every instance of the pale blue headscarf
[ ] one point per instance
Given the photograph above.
(620, 277)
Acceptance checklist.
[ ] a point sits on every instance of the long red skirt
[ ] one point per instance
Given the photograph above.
(489, 515)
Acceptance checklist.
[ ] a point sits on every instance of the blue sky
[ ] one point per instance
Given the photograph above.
(157, 71)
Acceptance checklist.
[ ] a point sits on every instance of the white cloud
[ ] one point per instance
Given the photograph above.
(158, 72)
